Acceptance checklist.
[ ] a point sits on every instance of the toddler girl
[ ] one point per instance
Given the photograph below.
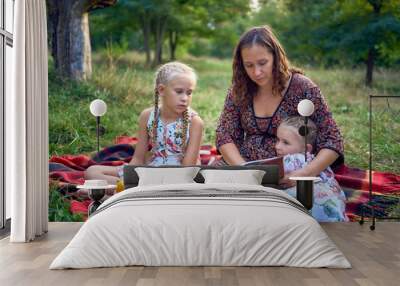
(329, 198)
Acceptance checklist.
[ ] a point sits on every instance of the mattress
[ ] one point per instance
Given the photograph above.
(201, 225)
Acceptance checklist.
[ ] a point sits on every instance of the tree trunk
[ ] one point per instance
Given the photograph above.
(146, 37)
(370, 67)
(159, 39)
(52, 24)
(377, 5)
(173, 42)
(70, 37)
(80, 64)
(70, 42)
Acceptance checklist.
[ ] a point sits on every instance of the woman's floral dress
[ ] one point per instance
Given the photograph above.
(255, 137)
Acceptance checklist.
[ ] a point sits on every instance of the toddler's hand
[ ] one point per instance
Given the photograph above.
(285, 182)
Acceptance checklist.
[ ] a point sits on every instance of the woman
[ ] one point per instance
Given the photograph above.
(264, 91)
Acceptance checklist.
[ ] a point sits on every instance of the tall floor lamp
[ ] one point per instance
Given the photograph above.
(372, 203)
(98, 108)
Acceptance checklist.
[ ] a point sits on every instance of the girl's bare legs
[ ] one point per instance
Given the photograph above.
(108, 173)
(97, 172)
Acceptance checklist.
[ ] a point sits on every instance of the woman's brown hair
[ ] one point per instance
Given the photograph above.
(243, 88)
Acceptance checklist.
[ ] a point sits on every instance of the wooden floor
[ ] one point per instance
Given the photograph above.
(374, 255)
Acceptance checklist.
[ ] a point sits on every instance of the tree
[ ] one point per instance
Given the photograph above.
(213, 20)
(367, 31)
(330, 32)
(177, 21)
(69, 37)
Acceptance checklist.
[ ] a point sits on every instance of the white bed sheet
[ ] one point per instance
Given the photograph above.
(189, 231)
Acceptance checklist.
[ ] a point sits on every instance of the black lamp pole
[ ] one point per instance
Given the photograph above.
(303, 131)
(305, 188)
(305, 185)
(305, 138)
(98, 133)
(98, 108)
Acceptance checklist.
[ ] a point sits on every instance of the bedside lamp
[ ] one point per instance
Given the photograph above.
(305, 109)
(305, 185)
(98, 108)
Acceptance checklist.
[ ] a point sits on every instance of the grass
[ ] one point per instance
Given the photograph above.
(126, 85)
(59, 206)
(348, 99)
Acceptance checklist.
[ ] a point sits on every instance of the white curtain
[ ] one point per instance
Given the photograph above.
(27, 123)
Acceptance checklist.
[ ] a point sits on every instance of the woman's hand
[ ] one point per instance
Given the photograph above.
(285, 182)
(231, 154)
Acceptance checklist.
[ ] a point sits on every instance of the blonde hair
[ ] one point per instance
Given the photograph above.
(164, 75)
(298, 121)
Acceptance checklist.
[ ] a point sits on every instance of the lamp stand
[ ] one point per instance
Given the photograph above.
(304, 193)
(305, 190)
(95, 195)
(98, 133)
(303, 131)
(305, 138)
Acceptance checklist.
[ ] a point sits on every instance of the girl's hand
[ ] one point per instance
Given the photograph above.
(285, 182)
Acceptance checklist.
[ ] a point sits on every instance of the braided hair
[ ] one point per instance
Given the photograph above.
(164, 75)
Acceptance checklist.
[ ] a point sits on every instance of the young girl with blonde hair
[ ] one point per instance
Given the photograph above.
(172, 130)
(329, 199)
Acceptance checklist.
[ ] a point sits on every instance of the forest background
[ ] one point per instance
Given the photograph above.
(110, 49)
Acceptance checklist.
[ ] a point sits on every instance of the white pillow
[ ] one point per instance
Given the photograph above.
(164, 176)
(249, 177)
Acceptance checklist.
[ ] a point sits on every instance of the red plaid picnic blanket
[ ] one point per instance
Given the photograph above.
(67, 171)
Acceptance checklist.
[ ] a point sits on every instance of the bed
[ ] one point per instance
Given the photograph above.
(200, 224)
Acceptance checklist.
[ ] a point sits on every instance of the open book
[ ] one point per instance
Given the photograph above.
(270, 161)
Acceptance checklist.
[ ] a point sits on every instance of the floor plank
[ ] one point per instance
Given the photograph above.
(374, 255)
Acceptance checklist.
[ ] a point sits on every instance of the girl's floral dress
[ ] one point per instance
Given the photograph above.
(329, 199)
(168, 149)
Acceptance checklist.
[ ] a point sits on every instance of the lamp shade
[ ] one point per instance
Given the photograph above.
(305, 107)
(98, 107)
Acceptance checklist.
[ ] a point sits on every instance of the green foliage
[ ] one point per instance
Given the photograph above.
(210, 20)
(70, 122)
(59, 207)
(394, 211)
(335, 32)
(348, 101)
(127, 88)
(328, 33)
(114, 25)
